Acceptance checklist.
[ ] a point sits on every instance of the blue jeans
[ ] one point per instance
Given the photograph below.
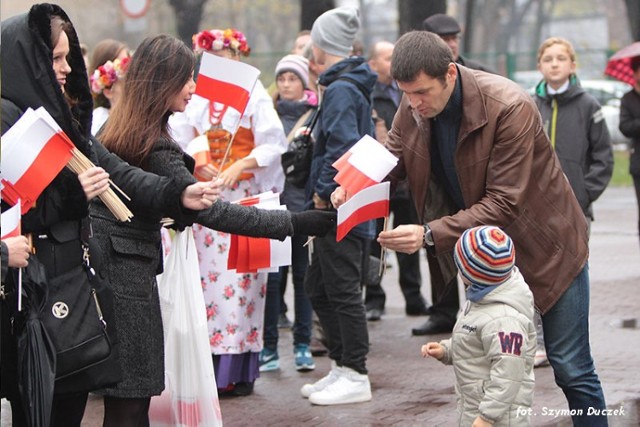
(566, 338)
(302, 305)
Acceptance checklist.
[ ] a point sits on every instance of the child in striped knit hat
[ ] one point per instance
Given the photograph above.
(494, 340)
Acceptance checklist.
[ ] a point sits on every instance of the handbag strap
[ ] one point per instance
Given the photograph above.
(314, 120)
(299, 123)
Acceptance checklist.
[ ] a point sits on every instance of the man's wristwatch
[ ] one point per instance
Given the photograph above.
(427, 238)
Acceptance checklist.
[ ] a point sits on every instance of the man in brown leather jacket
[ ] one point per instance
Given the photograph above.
(492, 164)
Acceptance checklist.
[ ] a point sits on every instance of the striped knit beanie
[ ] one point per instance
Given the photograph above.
(485, 255)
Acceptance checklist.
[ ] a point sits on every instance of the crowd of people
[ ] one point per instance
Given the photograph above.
(497, 194)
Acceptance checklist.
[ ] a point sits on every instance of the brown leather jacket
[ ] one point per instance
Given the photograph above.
(509, 176)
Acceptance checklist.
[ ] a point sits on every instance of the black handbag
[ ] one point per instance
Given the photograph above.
(73, 317)
(78, 313)
(296, 161)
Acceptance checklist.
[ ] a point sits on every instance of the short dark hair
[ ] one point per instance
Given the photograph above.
(420, 51)
(635, 63)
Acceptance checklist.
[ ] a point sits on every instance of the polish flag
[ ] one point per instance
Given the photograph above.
(34, 151)
(366, 163)
(266, 200)
(257, 254)
(370, 203)
(226, 81)
(10, 222)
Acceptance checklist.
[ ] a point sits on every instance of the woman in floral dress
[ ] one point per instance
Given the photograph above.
(235, 301)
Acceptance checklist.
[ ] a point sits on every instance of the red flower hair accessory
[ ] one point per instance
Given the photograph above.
(216, 40)
(107, 74)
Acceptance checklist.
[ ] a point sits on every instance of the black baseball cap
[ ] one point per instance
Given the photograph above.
(441, 24)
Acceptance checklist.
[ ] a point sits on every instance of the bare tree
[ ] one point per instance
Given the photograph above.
(311, 9)
(188, 15)
(633, 12)
(411, 13)
(469, 27)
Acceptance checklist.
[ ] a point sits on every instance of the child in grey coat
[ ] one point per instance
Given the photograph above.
(494, 340)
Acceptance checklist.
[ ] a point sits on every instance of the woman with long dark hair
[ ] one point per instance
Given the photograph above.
(160, 82)
(42, 66)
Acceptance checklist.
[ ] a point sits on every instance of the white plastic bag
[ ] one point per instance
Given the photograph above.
(190, 397)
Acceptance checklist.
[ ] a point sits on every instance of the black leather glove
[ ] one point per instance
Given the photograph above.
(314, 222)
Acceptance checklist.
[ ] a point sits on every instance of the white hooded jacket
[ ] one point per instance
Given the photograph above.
(492, 350)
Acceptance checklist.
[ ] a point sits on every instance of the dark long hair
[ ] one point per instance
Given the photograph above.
(158, 71)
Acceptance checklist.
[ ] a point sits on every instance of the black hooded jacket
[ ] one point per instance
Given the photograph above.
(30, 82)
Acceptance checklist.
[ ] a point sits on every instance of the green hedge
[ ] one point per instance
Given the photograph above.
(621, 177)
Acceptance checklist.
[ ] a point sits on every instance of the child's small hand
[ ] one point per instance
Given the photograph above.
(433, 349)
(479, 422)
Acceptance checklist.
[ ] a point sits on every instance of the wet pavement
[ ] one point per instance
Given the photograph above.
(409, 390)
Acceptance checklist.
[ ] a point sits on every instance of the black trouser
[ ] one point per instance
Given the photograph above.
(636, 184)
(333, 283)
(408, 264)
(446, 302)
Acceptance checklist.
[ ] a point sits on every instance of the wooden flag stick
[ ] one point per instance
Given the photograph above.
(228, 151)
(309, 240)
(79, 163)
(383, 252)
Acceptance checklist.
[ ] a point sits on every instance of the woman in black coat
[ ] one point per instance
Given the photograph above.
(42, 66)
(159, 82)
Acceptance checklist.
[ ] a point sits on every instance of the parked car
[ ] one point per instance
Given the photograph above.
(608, 94)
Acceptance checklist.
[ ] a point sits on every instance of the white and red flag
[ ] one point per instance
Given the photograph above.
(370, 203)
(34, 151)
(10, 222)
(366, 163)
(256, 254)
(226, 81)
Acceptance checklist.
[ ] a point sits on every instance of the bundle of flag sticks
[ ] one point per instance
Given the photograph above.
(79, 163)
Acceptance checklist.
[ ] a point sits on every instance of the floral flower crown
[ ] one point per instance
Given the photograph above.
(107, 74)
(215, 40)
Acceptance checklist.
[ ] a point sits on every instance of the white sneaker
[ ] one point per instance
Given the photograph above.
(350, 387)
(323, 382)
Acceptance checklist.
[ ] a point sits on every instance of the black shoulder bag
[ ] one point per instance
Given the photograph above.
(296, 161)
(79, 318)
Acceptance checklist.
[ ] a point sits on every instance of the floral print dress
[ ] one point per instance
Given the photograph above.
(235, 302)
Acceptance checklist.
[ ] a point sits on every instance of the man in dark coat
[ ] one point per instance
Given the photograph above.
(449, 30)
(442, 270)
(630, 126)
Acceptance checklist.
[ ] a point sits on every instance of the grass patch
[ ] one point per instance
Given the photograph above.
(621, 176)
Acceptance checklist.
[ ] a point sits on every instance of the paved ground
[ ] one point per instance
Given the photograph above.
(408, 390)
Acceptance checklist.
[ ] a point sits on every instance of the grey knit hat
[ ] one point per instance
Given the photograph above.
(335, 30)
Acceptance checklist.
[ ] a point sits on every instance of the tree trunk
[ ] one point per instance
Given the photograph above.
(188, 14)
(469, 27)
(411, 13)
(543, 14)
(311, 9)
(633, 12)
